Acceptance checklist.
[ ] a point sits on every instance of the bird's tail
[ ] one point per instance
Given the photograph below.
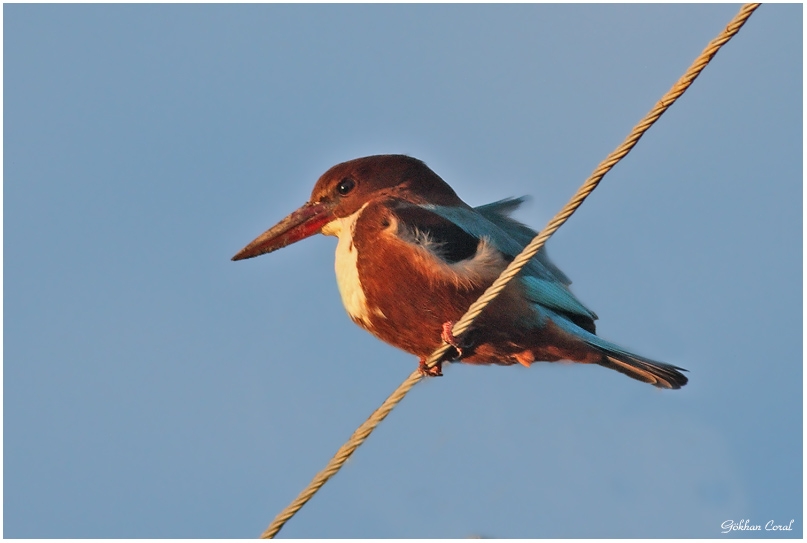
(656, 373)
(640, 368)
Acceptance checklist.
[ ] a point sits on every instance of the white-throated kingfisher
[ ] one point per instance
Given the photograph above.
(412, 257)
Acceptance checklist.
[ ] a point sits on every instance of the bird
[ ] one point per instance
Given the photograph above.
(411, 257)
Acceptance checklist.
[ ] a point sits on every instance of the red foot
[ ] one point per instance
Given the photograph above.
(434, 371)
(447, 335)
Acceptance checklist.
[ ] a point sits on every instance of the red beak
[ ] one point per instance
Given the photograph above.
(305, 222)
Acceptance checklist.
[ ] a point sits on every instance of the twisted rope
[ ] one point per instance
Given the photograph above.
(514, 268)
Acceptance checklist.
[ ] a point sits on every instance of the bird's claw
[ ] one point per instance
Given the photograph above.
(447, 335)
(434, 371)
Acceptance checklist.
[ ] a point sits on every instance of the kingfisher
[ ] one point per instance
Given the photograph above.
(411, 257)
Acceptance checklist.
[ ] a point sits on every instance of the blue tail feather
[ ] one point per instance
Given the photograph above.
(616, 358)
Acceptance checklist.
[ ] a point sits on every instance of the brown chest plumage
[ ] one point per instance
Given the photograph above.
(410, 294)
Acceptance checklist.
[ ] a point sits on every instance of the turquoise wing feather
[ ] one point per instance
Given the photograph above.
(543, 282)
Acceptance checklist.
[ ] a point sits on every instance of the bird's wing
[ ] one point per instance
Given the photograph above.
(457, 231)
(442, 237)
(499, 214)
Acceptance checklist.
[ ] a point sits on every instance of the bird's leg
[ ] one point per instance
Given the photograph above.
(447, 335)
(434, 371)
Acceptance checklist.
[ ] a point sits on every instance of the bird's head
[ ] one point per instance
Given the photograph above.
(345, 188)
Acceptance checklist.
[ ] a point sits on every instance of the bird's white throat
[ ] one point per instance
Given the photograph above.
(347, 272)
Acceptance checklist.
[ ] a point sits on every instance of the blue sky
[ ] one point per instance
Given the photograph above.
(154, 388)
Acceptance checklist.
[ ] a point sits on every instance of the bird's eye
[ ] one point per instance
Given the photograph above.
(345, 186)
